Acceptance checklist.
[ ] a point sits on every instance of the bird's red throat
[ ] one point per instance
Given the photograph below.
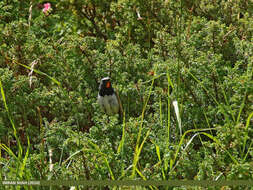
(108, 85)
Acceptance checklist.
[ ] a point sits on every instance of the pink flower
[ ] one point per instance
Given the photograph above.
(47, 7)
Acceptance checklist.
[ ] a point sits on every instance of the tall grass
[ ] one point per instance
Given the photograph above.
(235, 119)
(120, 149)
(170, 163)
(20, 160)
(138, 146)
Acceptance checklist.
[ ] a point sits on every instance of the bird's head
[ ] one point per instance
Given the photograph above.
(105, 82)
(105, 87)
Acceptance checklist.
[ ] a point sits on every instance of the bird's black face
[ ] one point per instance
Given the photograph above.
(105, 87)
(105, 82)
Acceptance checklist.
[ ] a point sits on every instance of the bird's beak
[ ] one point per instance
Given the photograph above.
(108, 85)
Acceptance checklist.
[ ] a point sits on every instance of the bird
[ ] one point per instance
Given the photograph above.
(108, 99)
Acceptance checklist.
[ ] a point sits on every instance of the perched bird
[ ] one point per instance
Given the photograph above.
(107, 97)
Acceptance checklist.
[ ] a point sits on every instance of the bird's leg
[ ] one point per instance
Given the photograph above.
(120, 108)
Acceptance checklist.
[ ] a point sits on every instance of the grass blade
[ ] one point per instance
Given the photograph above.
(144, 178)
(137, 151)
(137, 154)
(41, 73)
(246, 136)
(175, 104)
(167, 140)
(214, 99)
(173, 160)
(104, 157)
(159, 158)
(248, 151)
(20, 149)
(22, 167)
(248, 121)
(9, 151)
(218, 142)
(122, 141)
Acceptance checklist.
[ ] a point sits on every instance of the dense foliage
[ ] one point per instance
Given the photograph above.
(198, 54)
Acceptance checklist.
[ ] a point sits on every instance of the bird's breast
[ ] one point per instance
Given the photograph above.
(109, 103)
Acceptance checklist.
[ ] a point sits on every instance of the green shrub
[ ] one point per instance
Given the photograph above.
(156, 52)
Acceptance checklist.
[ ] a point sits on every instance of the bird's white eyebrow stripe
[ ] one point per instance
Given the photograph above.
(105, 78)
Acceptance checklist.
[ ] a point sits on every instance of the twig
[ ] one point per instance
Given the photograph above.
(30, 13)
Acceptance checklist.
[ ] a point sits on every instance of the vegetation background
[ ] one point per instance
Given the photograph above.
(183, 70)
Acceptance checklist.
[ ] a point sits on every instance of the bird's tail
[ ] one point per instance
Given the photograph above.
(120, 108)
